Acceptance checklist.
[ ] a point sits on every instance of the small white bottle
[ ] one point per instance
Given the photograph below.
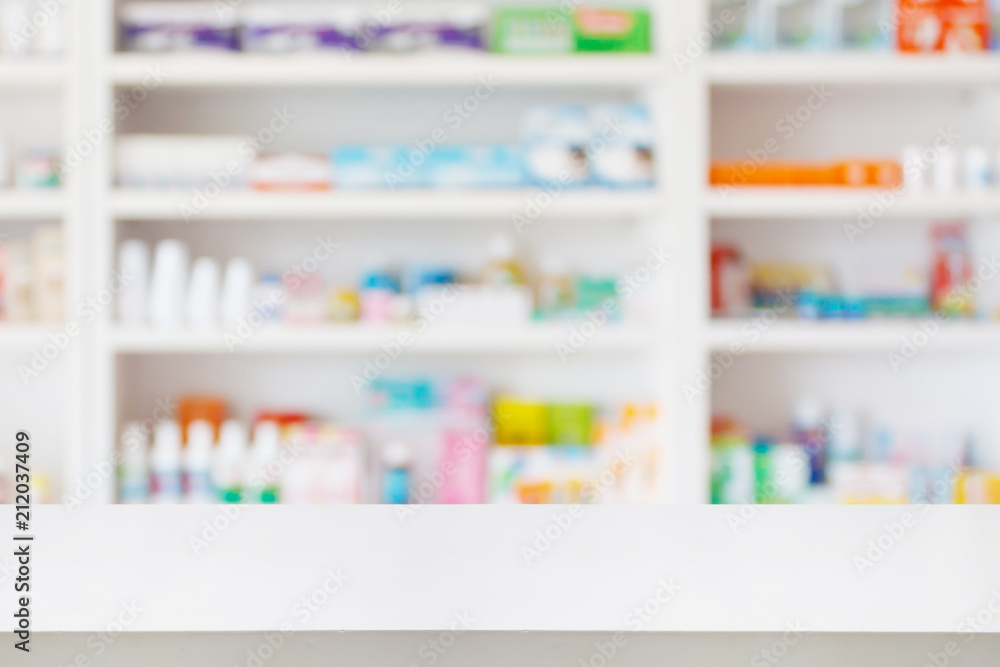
(133, 267)
(202, 310)
(237, 291)
(976, 170)
(262, 474)
(165, 464)
(197, 464)
(133, 466)
(946, 172)
(168, 285)
(229, 462)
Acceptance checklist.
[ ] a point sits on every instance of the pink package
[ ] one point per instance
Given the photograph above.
(463, 469)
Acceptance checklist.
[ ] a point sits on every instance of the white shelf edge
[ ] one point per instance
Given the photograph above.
(31, 205)
(32, 72)
(849, 336)
(835, 202)
(253, 70)
(384, 204)
(857, 68)
(363, 339)
(21, 337)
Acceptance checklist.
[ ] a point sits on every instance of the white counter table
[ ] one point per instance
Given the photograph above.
(511, 585)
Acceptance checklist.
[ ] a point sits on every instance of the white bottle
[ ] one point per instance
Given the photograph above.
(133, 467)
(976, 170)
(197, 463)
(165, 463)
(168, 285)
(236, 292)
(229, 462)
(946, 172)
(133, 267)
(262, 474)
(202, 310)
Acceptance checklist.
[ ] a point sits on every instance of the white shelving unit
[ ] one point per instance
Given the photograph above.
(704, 108)
(217, 93)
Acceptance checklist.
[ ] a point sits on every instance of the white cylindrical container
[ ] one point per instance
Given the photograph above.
(237, 290)
(946, 172)
(165, 463)
(202, 311)
(168, 285)
(197, 464)
(262, 476)
(133, 267)
(229, 462)
(976, 171)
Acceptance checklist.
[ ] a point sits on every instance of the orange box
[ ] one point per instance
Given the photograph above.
(965, 25)
(942, 25)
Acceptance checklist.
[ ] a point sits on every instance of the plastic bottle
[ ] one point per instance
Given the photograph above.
(165, 464)
(229, 462)
(133, 467)
(809, 434)
(502, 269)
(237, 292)
(168, 284)
(844, 436)
(197, 463)
(133, 262)
(202, 308)
(262, 483)
(396, 462)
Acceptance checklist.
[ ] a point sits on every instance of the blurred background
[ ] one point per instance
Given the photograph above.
(408, 252)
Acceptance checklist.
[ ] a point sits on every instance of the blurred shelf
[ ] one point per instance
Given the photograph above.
(738, 69)
(31, 72)
(384, 204)
(444, 69)
(833, 202)
(363, 339)
(23, 337)
(31, 204)
(851, 336)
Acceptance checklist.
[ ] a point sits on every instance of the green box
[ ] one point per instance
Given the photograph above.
(612, 30)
